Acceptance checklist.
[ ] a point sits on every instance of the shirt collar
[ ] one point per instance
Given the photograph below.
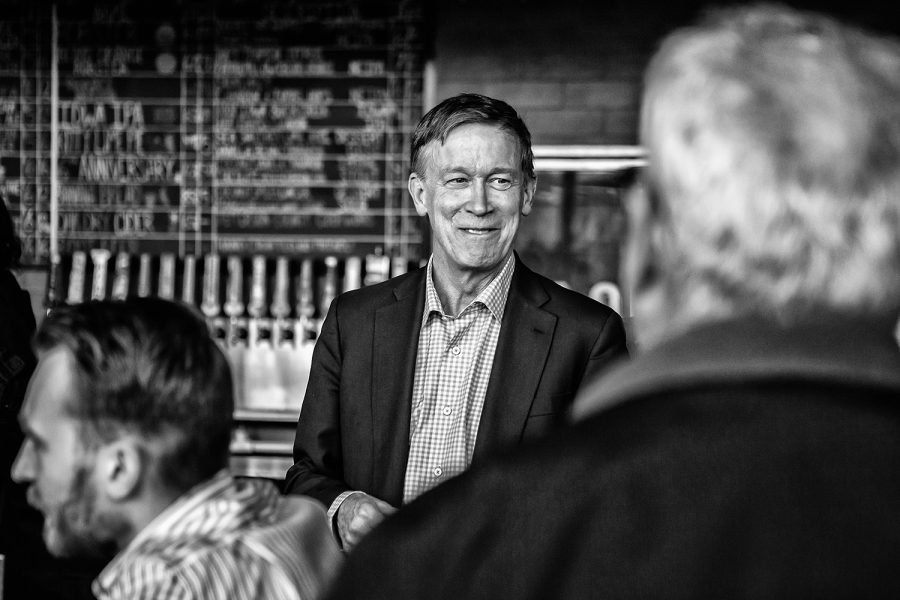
(493, 297)
(183, 515)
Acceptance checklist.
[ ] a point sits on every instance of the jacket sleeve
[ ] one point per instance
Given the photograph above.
(318, 454)
(608, 348)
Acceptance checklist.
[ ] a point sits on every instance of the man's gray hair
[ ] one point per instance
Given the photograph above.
(774, 144)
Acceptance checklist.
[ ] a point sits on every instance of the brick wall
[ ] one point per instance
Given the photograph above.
(573, 71)
(571, 67)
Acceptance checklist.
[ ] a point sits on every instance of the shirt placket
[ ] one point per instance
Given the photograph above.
(453, 409)
(430, 431)
(435, 335)
(436, 425)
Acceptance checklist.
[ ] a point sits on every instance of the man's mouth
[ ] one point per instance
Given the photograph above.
(478, 230)
(32, 497)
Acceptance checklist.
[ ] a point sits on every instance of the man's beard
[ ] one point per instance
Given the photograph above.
(76, 529)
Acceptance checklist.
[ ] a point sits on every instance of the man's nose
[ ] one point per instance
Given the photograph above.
(478, 203)
(23, 468)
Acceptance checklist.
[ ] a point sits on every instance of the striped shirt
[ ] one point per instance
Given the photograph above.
(453, 366)
(226, 539)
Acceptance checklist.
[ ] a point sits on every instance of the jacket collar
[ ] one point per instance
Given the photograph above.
(396, 330)
(410, 284)
(832, 348)
(522, 351)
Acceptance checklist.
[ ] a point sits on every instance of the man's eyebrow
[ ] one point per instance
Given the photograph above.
(493, 170)
(453, 169)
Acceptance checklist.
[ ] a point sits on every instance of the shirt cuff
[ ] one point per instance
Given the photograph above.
(333, 510)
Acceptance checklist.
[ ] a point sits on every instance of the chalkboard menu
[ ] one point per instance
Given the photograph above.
(248, 127)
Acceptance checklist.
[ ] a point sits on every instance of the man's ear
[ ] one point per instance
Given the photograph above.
(416, 187)
(528, 195)
(639, 258)
(121, 467)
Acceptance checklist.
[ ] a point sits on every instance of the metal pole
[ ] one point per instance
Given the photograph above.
(54, 139)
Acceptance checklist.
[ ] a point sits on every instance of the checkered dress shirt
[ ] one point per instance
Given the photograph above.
(453, 366)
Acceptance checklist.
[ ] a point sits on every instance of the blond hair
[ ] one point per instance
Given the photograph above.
(774, 145)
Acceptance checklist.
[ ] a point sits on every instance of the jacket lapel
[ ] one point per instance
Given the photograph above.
(526, 335)
(396, 329)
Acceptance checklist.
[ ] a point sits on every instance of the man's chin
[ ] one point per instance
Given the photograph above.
(56, 543)
(67, 542)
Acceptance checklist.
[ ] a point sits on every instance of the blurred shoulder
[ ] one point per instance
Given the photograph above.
(380, 293)
(564, 301)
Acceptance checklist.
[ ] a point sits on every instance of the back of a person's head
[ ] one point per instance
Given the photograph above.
(774, 147)
(148, 367)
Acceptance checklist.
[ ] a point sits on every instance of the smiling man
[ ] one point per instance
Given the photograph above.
(417, 377)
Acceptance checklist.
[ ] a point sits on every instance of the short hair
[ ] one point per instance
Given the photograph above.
(150, 367)
(10, 244)
(773, 138)
(464, 109)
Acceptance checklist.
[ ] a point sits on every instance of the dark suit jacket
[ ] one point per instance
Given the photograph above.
(353, 431)
(740, 461)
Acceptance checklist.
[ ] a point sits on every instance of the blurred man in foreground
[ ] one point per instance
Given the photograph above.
(127, 422)
(752, 449)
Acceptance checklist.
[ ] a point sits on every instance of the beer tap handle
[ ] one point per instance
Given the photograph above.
(210, 304)
(234, 305)
(121, 277)
(100, 260)
(305, 306)
(144, 276)
(281, 308)
(188, 279)
(256, 307)
(76, 278)
(166, 287)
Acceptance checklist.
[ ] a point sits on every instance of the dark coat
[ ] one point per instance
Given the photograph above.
(16, 364)
(353, 431)
(30, 571)
(741, 460)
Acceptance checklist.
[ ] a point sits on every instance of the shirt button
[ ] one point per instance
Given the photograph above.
(437, 471)
(455, 350)
(446, 410)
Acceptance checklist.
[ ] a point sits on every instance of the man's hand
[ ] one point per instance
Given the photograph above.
(357, 515)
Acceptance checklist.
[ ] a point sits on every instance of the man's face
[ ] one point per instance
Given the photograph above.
(474, 193)
(54, 461)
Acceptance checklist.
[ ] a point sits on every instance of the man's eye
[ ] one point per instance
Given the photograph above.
(500, 183)
(456, 182)
(38, 445)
